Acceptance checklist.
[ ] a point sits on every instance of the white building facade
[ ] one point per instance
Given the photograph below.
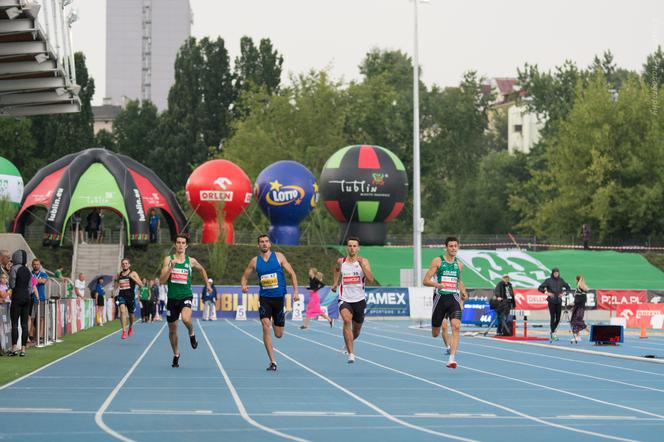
(523, 129)
(142, 40)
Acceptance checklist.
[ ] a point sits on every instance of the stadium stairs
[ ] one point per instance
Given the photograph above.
(37, 74)
(97, 259)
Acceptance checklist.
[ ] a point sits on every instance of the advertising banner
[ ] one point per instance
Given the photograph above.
(477, 312)
(634, 314)
(387, 301)
(611, 299)
(229, 297)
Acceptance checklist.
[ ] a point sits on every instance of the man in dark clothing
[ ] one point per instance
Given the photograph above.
(20, 282)
(93, 224)
(554, 287)
(504, 294)
(585, 235)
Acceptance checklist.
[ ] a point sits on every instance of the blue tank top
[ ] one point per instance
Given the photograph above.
(271, 277)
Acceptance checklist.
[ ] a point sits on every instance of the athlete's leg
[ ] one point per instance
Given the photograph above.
(185, 315)
(456, 327)
(435, 331)
(267, 339)
(347, 317)
(357, 327)
(305, 324)
(446, 336)
(123, 316)
(278, 331)
(173, 336)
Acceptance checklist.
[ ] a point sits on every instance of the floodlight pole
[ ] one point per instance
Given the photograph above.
(417, 218)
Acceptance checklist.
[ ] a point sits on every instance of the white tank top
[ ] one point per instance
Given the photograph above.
(352, 282)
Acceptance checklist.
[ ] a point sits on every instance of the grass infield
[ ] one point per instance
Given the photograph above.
(14, 367)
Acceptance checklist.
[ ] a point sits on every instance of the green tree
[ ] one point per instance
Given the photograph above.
(653, 69)
(258, 67)
(19, 146)
(135, 133)
(105, 139)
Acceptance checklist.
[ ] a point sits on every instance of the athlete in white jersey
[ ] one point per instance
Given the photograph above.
(349, 275)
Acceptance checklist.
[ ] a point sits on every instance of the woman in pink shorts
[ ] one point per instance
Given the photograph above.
(313, 306)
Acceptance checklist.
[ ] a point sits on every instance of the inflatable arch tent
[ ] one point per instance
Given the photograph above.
(99, 178)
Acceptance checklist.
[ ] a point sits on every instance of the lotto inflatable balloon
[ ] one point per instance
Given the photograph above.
(11, 183)
(99, 178)
(286, 192)
(364, 187)
(218, 188)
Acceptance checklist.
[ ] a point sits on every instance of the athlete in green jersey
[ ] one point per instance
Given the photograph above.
(176, 271)
(449, 293)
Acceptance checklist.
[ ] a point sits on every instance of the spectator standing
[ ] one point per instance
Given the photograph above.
(154, 299)
(99, 295)
(163, 296)
(504, 295)
(554, 287)
(20, 283)
(5, 262)
(585, 236)
(144, 293)
(313, 306)
(210, 302)
(39, 302)
(580, 299)
(5, 292)
(102, 230)
(93, 223)
(79, 286)
(76, 227)
(155, 224)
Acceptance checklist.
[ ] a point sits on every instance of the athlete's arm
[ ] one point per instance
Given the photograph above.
(245, 276)
(137, 280)
(165, 270)
(196, 265)
(286, 266)
(366, 268)
(428, 278)
(337, 273)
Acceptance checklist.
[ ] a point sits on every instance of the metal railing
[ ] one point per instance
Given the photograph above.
(55, 22)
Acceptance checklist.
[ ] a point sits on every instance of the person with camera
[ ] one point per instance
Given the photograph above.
(554, 287)
(503, 301)
(580, 299)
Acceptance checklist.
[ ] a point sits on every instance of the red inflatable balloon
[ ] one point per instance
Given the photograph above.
(215, 185)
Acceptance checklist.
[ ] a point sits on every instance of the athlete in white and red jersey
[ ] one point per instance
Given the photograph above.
(352, 270)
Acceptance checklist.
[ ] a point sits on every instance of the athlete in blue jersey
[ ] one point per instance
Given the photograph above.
(270, 268)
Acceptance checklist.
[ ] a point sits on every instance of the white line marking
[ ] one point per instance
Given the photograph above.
(565, 372)
(35, 410)
(148, 411)
(313, 413)
(469, 396)
(236, 396)
(581, 350)
(455, 415)
(637, 410)
(595, 417)
(355, 396)
(9, 384)
(99, 415)
(503, 348)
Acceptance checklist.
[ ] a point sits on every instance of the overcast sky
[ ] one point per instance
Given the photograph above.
(492, 37)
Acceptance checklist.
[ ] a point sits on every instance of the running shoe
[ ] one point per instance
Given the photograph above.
(272, 367)
(331, 323)
(193, 341)
(554, 337)
(124, 334)
(12, 353)
(448, 351)
(351, 358)
(303, 327)
(22, 354)
(451, 364)
(176, 361)
(131, 331)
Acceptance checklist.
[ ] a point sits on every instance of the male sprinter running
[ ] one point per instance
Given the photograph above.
(446, 299)
(270, 268)
(176, 270)
(126, 283)
(353, 270)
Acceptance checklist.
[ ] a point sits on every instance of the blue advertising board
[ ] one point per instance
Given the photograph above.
(477, 312)
(230, 296)
(387, 301)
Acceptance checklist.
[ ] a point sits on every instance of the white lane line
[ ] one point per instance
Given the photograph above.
(511, 361)
(580, 350)
(236, 396)
(313, 413)
(469, 396)
(531, 353)
(9, 384)
(35, 410)
(156, 411)
(569, 393)
(355, 396)
(99, 415)
(595, 417)
(482, 415)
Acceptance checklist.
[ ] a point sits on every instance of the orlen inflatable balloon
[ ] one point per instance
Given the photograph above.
(364, 187)
(286, 192)
(11, 183)
(214, 187)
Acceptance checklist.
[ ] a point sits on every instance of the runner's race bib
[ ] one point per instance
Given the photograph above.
(179, 276)
(124, 284)
(449, 283)
(352, 280)
(269, 281)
